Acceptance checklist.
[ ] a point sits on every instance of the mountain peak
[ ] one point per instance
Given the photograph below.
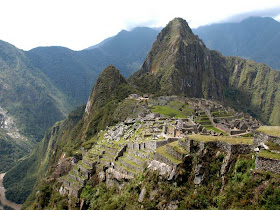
(179, 25)
(105, 86)
(178, 63)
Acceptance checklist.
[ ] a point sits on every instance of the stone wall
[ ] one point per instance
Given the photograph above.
(223, 127)
(120, 152)
(171, 151)
(151, 144)
(193, 146)
(267, 164)
(165, 160)
(234, 132)
(260, 137)
(241, 148)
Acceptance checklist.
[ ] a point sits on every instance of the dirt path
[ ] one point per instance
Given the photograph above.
(3, 199)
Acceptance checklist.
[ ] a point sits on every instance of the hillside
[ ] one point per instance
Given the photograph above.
(74, 72)
(41, 86)
(180, 64)
(29, 101)
(122, 141)
(153, 160)
(255, 38)
(66, 137)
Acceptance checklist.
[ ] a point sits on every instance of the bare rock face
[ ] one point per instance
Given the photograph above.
(63, 166)
(111, 173)
(7, 123)
(142, 195)
(199, 174)
(165, 170)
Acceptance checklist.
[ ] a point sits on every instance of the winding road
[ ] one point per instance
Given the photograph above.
(3, 199)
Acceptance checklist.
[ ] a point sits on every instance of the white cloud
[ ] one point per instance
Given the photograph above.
(79, 24)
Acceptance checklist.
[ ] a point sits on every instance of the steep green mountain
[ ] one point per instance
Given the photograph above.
(41, 86)
(128, 49)
(179, 63)
(255, 38)
(69, 72)
(19, 181)
(66, 136)
(27, 94)
(29, 103)
(74, 72)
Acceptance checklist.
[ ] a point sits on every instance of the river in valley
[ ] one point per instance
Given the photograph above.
(3, 199)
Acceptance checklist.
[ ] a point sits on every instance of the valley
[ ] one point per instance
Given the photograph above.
(3, 199)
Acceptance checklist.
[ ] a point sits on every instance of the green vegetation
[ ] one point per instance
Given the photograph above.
(270, 130)
(211, 127)
(20, 180)
(205, 121)
(247, 86)
(176, 147)
(168, 111)
(228, 139)
(162, 151)
(67, 136)
(273, 145)
(242, 84)
(269, 154)
(29, 95)
(242, 190)
(234, 39)
(11, 151)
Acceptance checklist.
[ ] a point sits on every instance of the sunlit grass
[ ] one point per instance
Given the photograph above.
(228, 139)
(270, 130)
(268, 154)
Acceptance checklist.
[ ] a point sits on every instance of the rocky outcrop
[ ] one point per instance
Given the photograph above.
(163, 169)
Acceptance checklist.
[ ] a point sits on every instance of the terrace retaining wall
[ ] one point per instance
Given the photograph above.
(260, 137)
(267, 164)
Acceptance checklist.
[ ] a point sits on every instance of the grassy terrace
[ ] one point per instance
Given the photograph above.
(84, 165)
(128, 161)
(207, 124)
(126, 168)
(168, 111)
(211, 127)
(89, 159)
(228, 139)
(72, 181)
(135, 156)
(179, 105)
(177, 147)
(162, 151)
(268, 154)
(270, 130)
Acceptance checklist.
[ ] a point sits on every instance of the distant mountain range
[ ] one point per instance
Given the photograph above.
(255, 38)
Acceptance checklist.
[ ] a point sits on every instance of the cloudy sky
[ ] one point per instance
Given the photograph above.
(80, 24)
